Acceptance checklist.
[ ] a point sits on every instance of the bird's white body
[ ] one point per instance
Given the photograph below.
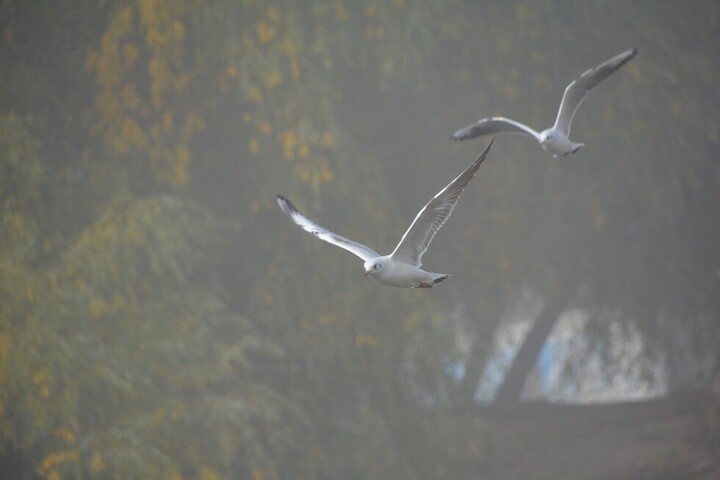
(404, 275)
(402, 268)
(556, 139)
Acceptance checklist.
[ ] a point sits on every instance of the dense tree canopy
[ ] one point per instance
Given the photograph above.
(160, 318)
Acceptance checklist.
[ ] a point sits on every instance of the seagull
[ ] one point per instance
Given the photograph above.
(555, 139)
(402, 267)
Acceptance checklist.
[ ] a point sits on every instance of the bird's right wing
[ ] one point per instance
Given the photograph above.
(578, 88)
(308, 225)
(493, 125)
(433, 215)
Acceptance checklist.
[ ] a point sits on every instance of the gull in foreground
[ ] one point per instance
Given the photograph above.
(556, 138)
(402, 267)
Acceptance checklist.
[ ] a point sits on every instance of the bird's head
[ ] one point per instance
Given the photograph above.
(547, 137)
(373, 266)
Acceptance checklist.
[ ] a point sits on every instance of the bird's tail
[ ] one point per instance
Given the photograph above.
(439, 277)
(576, 147)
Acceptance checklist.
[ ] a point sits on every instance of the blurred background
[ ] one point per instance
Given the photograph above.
(161, 318)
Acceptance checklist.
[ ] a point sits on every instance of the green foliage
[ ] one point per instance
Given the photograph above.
(22, 173)
(127, 352)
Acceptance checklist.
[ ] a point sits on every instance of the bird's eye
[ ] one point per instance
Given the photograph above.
(377, 265)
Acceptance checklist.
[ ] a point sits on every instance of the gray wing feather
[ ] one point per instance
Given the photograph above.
(578, 88)
(431, 218)
(322, 233)
(491, 126)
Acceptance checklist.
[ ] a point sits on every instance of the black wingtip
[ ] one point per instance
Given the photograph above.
(464, 133)
(285, 204)
(633, 51)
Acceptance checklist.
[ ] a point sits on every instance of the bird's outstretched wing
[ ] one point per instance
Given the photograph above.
(431, 218)
(308, 225)
(578, 88)
(493, 125)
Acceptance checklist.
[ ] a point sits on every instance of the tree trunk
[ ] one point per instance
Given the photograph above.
(511, 388)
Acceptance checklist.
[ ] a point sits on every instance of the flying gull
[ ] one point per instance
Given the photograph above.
(402, 267)
(556, 138)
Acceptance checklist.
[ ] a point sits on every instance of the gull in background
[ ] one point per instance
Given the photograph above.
(402, 267)
(556, 138)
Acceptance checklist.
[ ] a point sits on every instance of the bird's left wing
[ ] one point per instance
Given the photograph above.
(578, 88)
(366, 253)
(493, 125)
(431, 218)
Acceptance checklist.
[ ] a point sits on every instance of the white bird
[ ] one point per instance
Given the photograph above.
(556, 138)
(402, 267)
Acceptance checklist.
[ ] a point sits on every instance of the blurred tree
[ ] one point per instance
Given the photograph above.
(610, 234)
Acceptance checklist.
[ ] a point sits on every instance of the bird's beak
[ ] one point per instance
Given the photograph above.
(367, 272)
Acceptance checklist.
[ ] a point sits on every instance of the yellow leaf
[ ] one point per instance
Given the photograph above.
(600, 219)
(257, 474)
(38, 377)
(254, 146)
(265, 127)
(180, 176)
(273, 14)
(521, 12)
(326, 175)
(634, 70)
(289, 141)
(123, 21)
(255, 95)
(341, 12)
(178, 29)
(303, 173)
(98, 307)
(304, 150)
(97, 464)
(265, 32)
(272, 79)
(363, 340)
(130, 54)
(327, 140)
(289, 47)
(65, 434)
(207, 473)
(5, 344)
(327, 318)
(167, 122)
